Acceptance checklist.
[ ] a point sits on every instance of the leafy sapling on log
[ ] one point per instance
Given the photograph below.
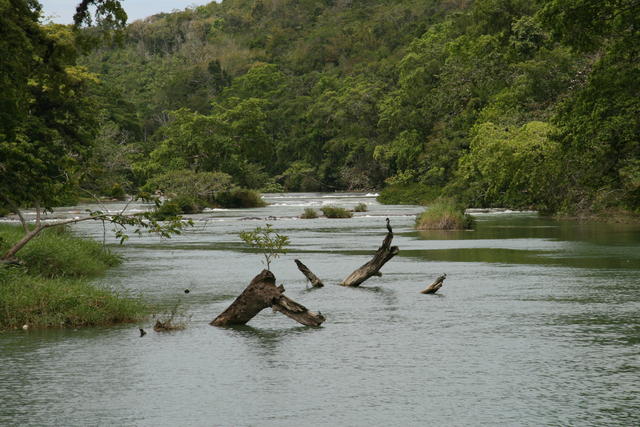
(261, 293)
(265, 239)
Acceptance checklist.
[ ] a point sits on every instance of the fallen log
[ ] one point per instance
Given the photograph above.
(317, 283)
(261, 293)
(382, 255)
(433, 288)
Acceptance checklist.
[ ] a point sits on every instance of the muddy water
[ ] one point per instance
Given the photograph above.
(538, 324)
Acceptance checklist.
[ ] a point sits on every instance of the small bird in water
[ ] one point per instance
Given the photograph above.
(186, 291)
(389, 226)
(142, 332)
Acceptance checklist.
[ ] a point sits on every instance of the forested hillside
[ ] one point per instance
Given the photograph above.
(514, 103)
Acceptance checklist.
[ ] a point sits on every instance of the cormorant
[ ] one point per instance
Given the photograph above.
(186, 291)
(389, 226)
(142, 332)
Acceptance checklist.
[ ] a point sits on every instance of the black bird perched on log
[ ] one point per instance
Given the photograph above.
(142, 332)
(389, 226)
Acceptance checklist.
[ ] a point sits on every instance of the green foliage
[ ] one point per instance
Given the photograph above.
(239, 198)
(309, 213)
(48, 119)
(443, 214)
(267, 241)
(408, 194)
(336, 212)
(196, 185)
(515, 167)
(311, 96)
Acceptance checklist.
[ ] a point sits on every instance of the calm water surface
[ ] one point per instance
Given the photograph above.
(538, 324)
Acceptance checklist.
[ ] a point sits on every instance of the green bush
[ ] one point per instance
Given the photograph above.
(117, 192)
(361, 207)
(309, 213)
(335, 212)
(444, 214)
(169, 209)
(239, 198)
(408, 194)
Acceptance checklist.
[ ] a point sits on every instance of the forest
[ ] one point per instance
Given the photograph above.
(524, 104)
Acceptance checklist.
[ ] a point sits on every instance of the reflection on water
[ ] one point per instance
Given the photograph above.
(537, 324)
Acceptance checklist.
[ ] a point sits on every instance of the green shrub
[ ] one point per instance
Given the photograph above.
(309, 213)
(444, 214)
(335, 212)
(239, 198)
(408, 194)
(117, 192)
(361, 207)
(169, 209)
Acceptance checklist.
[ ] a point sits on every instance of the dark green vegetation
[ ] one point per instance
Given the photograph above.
(443, 214)
(336, 212)
(52, 288)
(408, 194)
(523, 104)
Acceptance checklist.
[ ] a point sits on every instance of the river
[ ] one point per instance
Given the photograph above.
(538, 323)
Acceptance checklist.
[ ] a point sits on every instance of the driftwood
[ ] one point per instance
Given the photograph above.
(433, 288)
(382, 255)
(317, 283)
(261, 293)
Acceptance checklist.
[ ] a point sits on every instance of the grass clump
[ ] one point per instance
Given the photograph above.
(336, 212)
(408, 194)
(444, 214)
(309, 213)
(52, 288)
(361, 207)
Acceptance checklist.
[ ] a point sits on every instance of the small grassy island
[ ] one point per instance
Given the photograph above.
(444, 214)
(52, 287)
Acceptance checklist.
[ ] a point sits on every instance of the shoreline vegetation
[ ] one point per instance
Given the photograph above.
(52, 287)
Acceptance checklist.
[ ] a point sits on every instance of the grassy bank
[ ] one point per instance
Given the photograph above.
(53, 287)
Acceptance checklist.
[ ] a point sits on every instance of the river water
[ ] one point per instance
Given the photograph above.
(538, 323)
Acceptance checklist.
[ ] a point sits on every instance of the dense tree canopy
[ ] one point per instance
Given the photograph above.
(498, 102)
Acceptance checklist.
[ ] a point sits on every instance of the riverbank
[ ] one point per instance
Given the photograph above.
(53, 288)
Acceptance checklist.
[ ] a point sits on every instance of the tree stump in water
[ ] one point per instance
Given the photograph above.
(433, 288)
(317, 283)
(382, 255)
(261, 293)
